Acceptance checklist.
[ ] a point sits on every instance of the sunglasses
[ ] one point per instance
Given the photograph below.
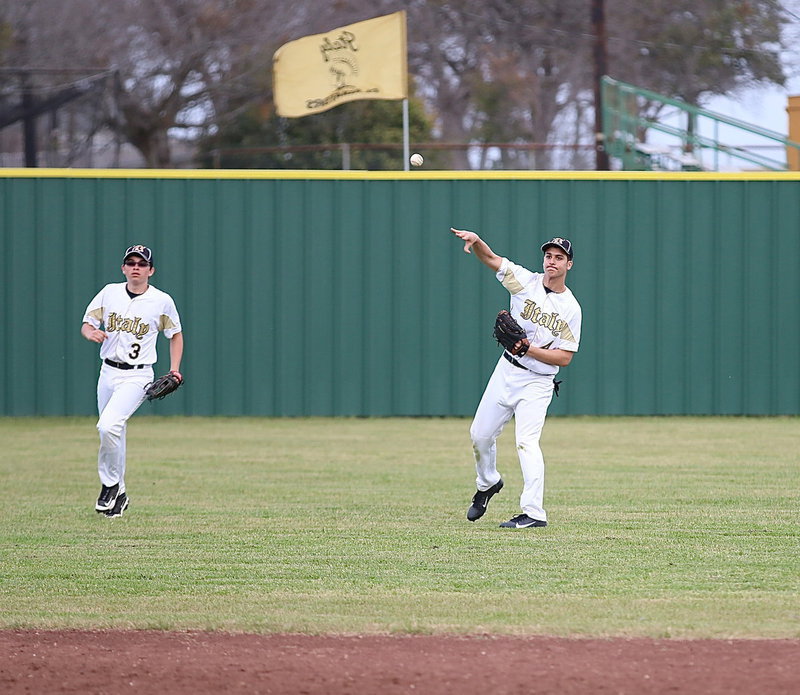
(141, 264)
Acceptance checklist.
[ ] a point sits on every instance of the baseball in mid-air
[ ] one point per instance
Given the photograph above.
(416, 159)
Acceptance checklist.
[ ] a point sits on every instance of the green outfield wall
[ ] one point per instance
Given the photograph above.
(344, 293)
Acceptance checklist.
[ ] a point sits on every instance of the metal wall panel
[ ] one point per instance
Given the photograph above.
(325, 293)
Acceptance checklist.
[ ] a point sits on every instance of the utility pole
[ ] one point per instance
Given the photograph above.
(29, 123)
(599, 28)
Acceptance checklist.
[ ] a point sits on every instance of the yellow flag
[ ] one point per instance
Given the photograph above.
(365, 60)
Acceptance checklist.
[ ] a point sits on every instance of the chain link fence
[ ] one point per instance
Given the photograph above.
(389, 157)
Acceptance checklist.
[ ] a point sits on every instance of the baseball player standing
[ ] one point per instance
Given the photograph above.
(132, 313)
(523, 387)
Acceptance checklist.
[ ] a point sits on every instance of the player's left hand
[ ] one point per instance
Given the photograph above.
(163, 386)
(510, 334)
(521, 347)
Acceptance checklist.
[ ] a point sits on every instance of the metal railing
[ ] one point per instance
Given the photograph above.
(697, 134)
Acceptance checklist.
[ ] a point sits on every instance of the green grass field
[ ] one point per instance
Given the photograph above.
(662, 527)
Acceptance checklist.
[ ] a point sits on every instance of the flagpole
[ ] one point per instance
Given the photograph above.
(405, 135)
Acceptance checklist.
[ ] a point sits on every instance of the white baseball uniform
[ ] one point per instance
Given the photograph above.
(128, 353)
(551, 320)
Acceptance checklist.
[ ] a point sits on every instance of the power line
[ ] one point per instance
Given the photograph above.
(87, 76)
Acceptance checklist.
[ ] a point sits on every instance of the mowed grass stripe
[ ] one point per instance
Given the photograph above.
(658, 527)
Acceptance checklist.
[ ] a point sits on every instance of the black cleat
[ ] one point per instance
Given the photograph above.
(481, 500)
(107, 498)
(119, 506)
(523, 521)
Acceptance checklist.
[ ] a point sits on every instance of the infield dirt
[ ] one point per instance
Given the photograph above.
(210, 662)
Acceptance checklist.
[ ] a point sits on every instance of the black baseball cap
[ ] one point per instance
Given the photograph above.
(564, 244)
(139, 250)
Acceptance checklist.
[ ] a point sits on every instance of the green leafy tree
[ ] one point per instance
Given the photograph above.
(258, 138)
(698, 48)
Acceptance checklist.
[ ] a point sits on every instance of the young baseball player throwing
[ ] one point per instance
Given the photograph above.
(523, 380)
(132, 313)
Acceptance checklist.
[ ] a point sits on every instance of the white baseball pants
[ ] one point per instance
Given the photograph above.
(524, 395)
(120, 392)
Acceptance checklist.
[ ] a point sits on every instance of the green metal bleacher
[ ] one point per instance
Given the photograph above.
(682, 137)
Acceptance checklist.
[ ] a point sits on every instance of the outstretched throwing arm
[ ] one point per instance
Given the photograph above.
(472, 242)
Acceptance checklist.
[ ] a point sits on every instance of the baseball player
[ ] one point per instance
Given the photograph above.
(523, 386)
(131, 313)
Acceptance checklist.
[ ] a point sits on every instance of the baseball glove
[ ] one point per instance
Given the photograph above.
(508, 333)
(163, 386)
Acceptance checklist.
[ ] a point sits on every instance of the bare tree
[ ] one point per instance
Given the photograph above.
(550, 45)
(177, 61)
(499, 70)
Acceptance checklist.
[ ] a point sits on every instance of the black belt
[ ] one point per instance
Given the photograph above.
(123, 365)
(517, 363)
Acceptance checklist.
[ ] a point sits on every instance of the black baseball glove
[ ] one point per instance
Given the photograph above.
(510, 334)
(163, 386)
